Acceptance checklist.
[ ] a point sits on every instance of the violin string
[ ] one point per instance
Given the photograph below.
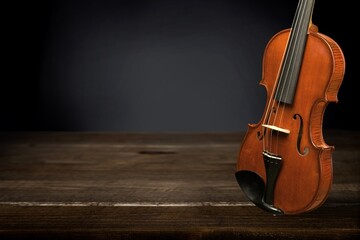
(297, 51)
(277, 86)
(295, 32)
(294, 39)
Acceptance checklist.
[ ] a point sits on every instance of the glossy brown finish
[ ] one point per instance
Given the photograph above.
(305, 179)
(56, 185)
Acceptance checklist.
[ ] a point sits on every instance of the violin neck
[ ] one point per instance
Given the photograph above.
(286, 84)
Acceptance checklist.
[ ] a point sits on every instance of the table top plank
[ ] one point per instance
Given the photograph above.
(136, 185)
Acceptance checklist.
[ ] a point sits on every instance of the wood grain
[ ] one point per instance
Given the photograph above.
(58, 185)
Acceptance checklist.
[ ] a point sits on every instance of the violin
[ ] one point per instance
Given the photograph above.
(284, 165)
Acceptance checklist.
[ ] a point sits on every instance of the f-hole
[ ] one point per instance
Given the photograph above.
(306, 149)
(260, 135)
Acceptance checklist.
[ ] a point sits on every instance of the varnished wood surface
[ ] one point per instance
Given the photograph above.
(57, 185)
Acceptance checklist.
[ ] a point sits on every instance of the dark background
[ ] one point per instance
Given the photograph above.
(159, 65)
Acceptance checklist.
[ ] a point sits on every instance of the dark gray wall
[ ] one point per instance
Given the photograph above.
(148, 65)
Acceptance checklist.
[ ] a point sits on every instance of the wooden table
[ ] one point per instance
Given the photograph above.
(71, 185)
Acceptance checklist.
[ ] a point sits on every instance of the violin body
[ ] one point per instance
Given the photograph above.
(284, 165)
